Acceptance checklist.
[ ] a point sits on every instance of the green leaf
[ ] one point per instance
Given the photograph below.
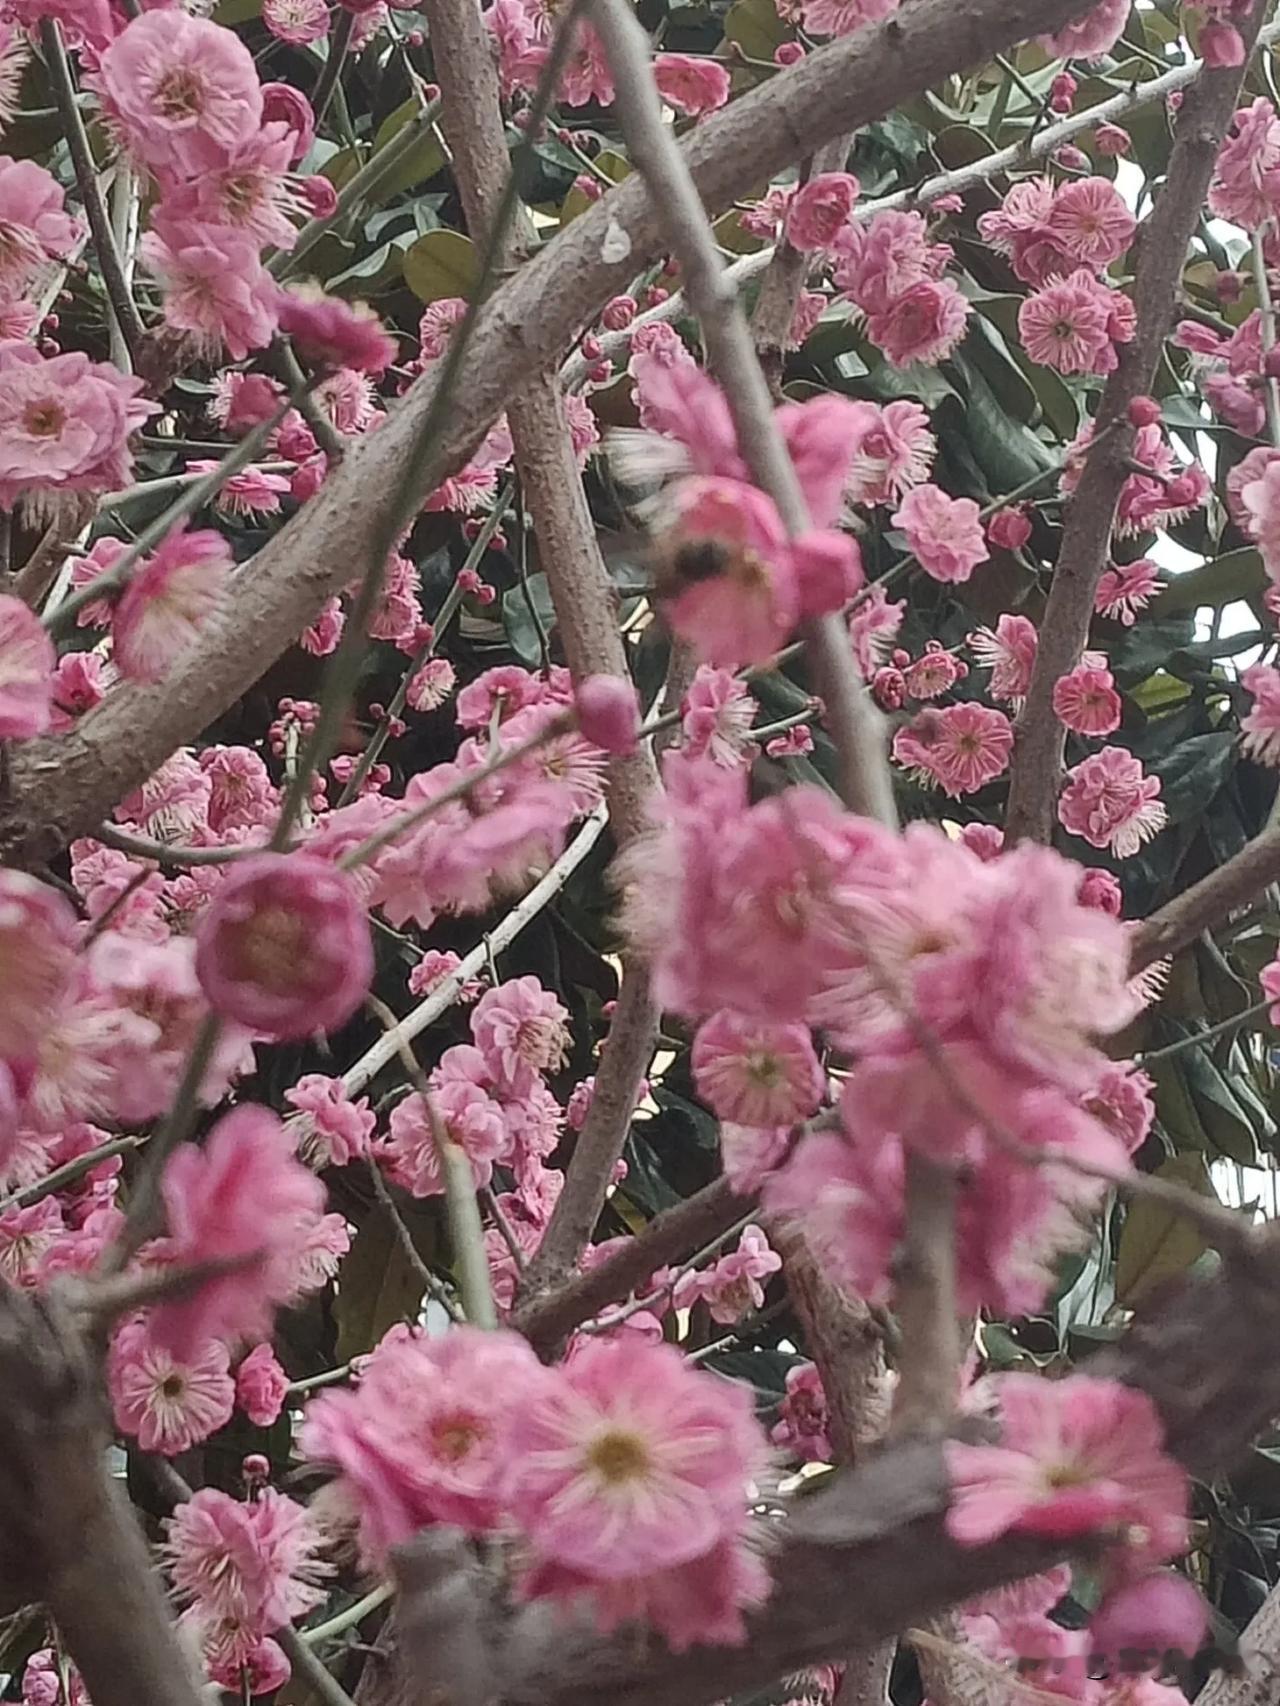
(519, 622)
(1221, 1112)
(377, 1286)
(443, 263)
(1238, 574)
(755, 27)
(423, 160)
(1157, 1245)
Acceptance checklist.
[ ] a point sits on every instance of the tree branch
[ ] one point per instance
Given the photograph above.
(63, 787)
(1086, 539)
(1206, 903)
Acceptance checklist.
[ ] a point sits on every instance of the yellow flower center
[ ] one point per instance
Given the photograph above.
(618, 1457)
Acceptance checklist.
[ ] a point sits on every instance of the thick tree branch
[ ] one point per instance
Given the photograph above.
(1086, 539)
(63, 787)
(1258, 1681)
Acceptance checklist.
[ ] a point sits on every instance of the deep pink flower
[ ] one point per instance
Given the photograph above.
(1070, 324)
(961, 748)
(756, 1074)
(933, 673)
(182, 91)
(241, 1197)
(283, 104)
(801, 1428)
(334, 333)
(1243, 188)
(425, 1437)
(26, 671)
(284, 946)
(1127, 588)
(1077, 1456)
(332, 1130)
(1091, 36)
(64, 423)
(168, 602)
(1009, 528)
(894, 451)
(1085, 699)
(926, 323)
(819, 209)
(627, 1461)
(261, 1385)
(691, 83)
(1091, 222)
(1157, 1614)
(1122, 1100)
(1111, 801)
(943, 533)
(241, 795)
(166, 1403)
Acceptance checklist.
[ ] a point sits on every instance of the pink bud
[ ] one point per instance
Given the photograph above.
(1062, 95)
(1144, 412)
(485, 594)
(255, 1467)
(889, 688)
(1162, 1613)
(600, 372)
(1183, 491)
(587, 187)
(468, 580)
(952, 203)
(415, 38)
(430, 92)
(1009, 528)
(1112, 140)
(1229, 286)
(788, 53)
(1221, 46)
(618, 314)
(654, 295)
(608, 714)
(319, 194)
(1070, 157)
(592, 348)
(609, 1009)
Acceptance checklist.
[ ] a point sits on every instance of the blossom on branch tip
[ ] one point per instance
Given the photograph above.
(168, 602)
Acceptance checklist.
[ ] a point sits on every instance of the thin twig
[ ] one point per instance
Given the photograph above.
(331, 70)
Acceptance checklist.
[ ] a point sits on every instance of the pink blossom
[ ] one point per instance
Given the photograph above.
(77, 685)
(332, 333)
(926, 323)
(1158, 1614)
(1091, 36)
(731, 1286)
(425, 1437)
(42, 1681)
(250, 493)
(1111, 802)
(296, 21)
(741, 601)
(1071, 324)
(849, 1199)
(801, 1428)
(182, 91)
(751, 1153)
(1091, 222)
(168, 602)
(13, 62)
(933, 673)
(284, 946)
(64, 423)
(873, 626)
(250, 1565)
(1269, 981)
(1122, 1100)
(26, 1236)
(26, 671)
(895, 451)
(241, 401)
(692, 84)
(509, 689)
(1126, 588)
(716, 716)
(34, 228)
(432, 969)
(630, 1461)
(1085, 699)
(1243, 188)
(521, 1029)
(843, 17)
(243, 1198)
(241, 793)
(332, 1130)
(431, 686)
(608, 713)
(794, 742)
(756, 1074)
(818, 210)
(261, 1385)
(215, 286)
(37, 950)
(1077, 1456)
(1009, 653)
(469, 1117)
(166, 1403)
(1010, 528)
(250, 192)
(439, 320)
(961, 748)
(943, 533)
(1260, 728)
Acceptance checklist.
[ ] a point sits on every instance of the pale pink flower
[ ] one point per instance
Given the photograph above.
(943, 533)
(248, 494)
(731, 1286)
(215, 286)
(1111, 801)
(1091, 36)
(1127, 588)
(848, 1197)
(801, 1428)
(252, 1564)
(34, 228)
(751, 1153)
(716, 714)
(1071, 325)
(173, 803)
(250, 192)
(843, 17)
(182, 91)
(926, 323)
(873, 627)
(1156, 1615)
(431, 685)
(242, 401)
(241, 1197)
(756, 1074)
(961, 748)
(933, 673)
(1009, 653)
(168, 602)
(26, 671)
(741, 601)
(425, 1437)
(521, 1029)
(261, 1385)
(1077, 1456)
(332, 1129)
(432, 969)
(26, 1236)
(168, 1404)
(296, 21)
(38, 953)
(470, 1118)
(284, 946)
(1085, 699)
(1260, 728)
(1260, 503)
(319, 1256)
(1091, 222)
(818, 210)
(691, 83)
(1244, 186)
(630, 1461)
(764, 218)
(65, 423)
(894, 453)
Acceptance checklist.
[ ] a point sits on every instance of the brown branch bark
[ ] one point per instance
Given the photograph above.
(1161, 254)
(63, 788)
(1206, 903)
(783, 280)
(549, 1317)
(586, 612)
(1258, 1682)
